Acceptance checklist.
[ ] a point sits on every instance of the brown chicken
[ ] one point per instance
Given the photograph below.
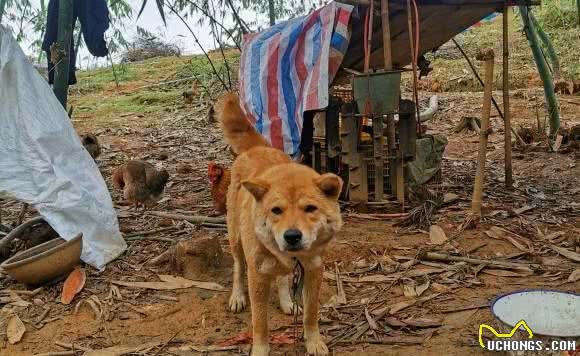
(219, 177)
(141, 182)
(91, 144)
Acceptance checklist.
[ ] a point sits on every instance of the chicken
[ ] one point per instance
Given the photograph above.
(219, 177)
(141, 182)
(91, 144)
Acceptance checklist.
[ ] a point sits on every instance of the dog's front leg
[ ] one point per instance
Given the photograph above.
(259, 290)
(314, 343)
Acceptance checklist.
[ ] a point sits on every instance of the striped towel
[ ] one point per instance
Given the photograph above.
(287, 69)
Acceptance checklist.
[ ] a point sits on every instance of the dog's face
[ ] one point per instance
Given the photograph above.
(296, 207)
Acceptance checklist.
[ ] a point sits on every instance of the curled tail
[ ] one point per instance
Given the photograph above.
(238, 131)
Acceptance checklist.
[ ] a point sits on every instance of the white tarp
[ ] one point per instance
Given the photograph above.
(43, 162)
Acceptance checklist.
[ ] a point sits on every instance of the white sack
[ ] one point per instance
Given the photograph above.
(43, 162)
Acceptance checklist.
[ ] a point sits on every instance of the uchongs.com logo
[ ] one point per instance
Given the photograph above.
(504, 341)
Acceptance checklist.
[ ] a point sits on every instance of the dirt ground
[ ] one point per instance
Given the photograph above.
(376, 259)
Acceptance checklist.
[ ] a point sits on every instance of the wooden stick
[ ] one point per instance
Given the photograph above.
(506, 103)
(435, 256)
(487, 56)
(194, 219)
(474, 71)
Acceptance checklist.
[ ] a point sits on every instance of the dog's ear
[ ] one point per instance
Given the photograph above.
(330, 184)
(257, 188)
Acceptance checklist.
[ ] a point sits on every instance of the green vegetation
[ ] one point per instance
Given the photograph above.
(557, 18)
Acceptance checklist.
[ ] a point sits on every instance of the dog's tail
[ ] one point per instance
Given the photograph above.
(238, 131)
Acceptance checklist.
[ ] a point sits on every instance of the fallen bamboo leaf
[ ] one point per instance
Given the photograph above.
(574, 276)
(518, 242)
(15, 329)
(372, 323)
(437, 235)
(73, 284)
(340, 294)
(421, 288)
(423, 322)
(171, 282)
(409, 288)
(523, 209)
(122, 350)
(565, 252)
(394, 322)
(504, 273)
(401, 305)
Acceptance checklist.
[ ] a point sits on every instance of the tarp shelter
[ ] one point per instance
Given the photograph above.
(42, 161)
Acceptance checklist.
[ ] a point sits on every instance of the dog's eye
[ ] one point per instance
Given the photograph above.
(277, 211)
(310, 208)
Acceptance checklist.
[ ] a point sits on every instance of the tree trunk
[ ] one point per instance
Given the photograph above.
(272, 12)
(543, 71)
(65, 29)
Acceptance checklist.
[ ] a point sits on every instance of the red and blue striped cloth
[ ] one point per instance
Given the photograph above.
(287, 69)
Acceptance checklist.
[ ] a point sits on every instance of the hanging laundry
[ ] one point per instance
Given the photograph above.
(94, 18)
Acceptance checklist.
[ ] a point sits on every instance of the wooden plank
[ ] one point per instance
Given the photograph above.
(332, 131)
(357, 167)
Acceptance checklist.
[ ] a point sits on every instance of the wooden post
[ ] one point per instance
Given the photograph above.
(378, 139)
(357, 167)
(506, 103)
(65, 29)
(487, 56)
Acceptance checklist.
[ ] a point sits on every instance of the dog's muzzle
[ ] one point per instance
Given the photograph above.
(293, 239)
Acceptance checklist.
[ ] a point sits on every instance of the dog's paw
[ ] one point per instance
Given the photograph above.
(287, 307)
(237, 302)
(260, 350)
(315, 346)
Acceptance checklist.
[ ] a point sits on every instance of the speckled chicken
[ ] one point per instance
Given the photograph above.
(141, 183)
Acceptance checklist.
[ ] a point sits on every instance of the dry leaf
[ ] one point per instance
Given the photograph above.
(423, 322)
(73, 284)
(409, 288)
(401, 305)
(565, 252)
(518, 241)
(172, 282)
(421, 288)
(15, 329)
(574, 276)
(372, 323)
(439, 288)
(449, 198)
(504, 273)
(437, 235)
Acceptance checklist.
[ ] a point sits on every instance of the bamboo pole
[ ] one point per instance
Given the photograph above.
(65, 29)
(506, 102)
(543, 71)
(487, 56)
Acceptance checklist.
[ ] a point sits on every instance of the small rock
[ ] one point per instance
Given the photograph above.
(37, 301)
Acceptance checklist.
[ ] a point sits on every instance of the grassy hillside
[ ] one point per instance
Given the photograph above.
(140, 97)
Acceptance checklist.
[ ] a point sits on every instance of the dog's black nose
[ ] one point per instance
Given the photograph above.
(293, 237)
